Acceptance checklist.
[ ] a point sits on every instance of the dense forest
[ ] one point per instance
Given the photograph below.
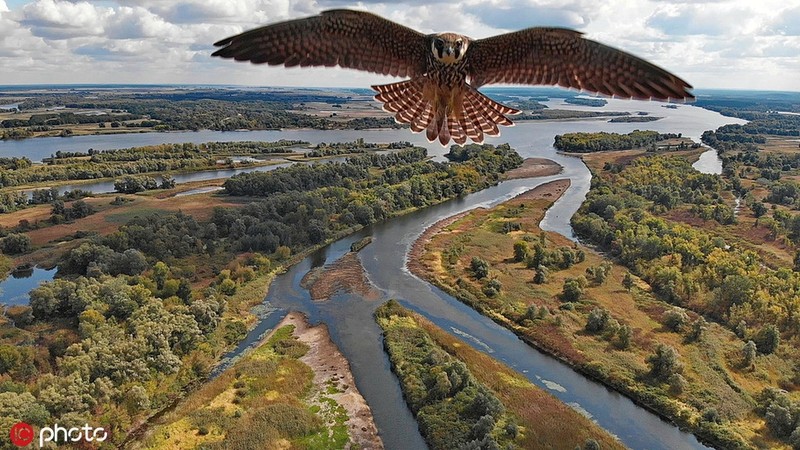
(594, 142)
(453, 409)
(306, 205)
(687, 266)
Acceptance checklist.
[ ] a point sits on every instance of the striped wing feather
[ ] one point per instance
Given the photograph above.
(557, 56)
(352, 39)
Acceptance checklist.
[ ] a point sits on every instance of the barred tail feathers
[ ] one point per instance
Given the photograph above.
(459, 114)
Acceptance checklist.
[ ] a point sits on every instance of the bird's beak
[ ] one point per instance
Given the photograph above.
(451, 50)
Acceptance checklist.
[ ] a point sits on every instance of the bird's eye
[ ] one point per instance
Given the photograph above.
(439, 44)
(459, 43)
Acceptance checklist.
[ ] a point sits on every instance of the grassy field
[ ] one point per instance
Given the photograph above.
(527, 418)
(714, 398)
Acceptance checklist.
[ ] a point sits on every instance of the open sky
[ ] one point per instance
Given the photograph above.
(736, 44)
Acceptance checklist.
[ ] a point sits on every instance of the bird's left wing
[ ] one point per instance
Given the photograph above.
(558, 56)
(351, 39)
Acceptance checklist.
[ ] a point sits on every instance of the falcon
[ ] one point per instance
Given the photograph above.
(445, 70)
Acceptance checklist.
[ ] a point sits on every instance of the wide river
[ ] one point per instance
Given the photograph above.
(349, 318)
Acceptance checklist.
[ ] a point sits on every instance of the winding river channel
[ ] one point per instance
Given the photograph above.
(349, 317)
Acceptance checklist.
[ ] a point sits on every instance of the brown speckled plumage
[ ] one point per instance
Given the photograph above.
(446, 69)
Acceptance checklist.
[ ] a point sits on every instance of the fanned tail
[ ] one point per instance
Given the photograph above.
(458, 114)
(405, 99)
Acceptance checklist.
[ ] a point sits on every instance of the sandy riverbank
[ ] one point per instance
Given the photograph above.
(345, 275)
(535, 167)
(332, 370)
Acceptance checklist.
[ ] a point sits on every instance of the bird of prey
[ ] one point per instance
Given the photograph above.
(445, 70)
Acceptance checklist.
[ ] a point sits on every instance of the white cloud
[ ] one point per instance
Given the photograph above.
(61, 20)
(710, 43)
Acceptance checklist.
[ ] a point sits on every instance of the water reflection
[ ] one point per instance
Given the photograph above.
(14, 289)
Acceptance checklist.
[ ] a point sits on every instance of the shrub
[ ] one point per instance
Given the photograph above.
(711, 415)
(664, 362)
(675, 319)
(15, 243)
(624, 335)
(767, 339)
(598, 274)
(598, 320)
(479, 267)
(495, 284)
(541, 275)
(573, 289)
(677, 384)
(749, 353)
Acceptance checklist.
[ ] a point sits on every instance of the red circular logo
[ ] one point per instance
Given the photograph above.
(21, 434)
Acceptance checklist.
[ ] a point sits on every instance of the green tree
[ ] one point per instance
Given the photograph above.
(9, 357)
(767, 339)
(15, 243)
(664, 362)
(598, 320)
(624, 335)
(675, 319)
(541, 275)
(160, 274)
(698, 329)
(572, 289)
(759, 209)
(627, 281)
(480, 268)
(521, 251)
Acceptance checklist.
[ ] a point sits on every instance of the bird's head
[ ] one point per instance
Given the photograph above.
(449, 48)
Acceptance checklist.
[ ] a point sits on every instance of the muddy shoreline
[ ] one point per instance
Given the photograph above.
(345, 275)
(534, 167)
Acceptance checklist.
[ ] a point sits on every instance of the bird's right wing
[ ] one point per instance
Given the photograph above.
(558, 56)
(352, 39)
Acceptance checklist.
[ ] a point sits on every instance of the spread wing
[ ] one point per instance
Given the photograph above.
(563, 57)
(352, 39)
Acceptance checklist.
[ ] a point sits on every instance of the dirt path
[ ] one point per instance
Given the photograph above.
(331, 370)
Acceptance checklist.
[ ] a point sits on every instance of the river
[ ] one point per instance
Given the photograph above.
(349, 318)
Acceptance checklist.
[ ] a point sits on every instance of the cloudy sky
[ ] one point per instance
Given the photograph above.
(740, 44)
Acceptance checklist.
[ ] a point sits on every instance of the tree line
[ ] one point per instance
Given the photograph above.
(602, 141)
